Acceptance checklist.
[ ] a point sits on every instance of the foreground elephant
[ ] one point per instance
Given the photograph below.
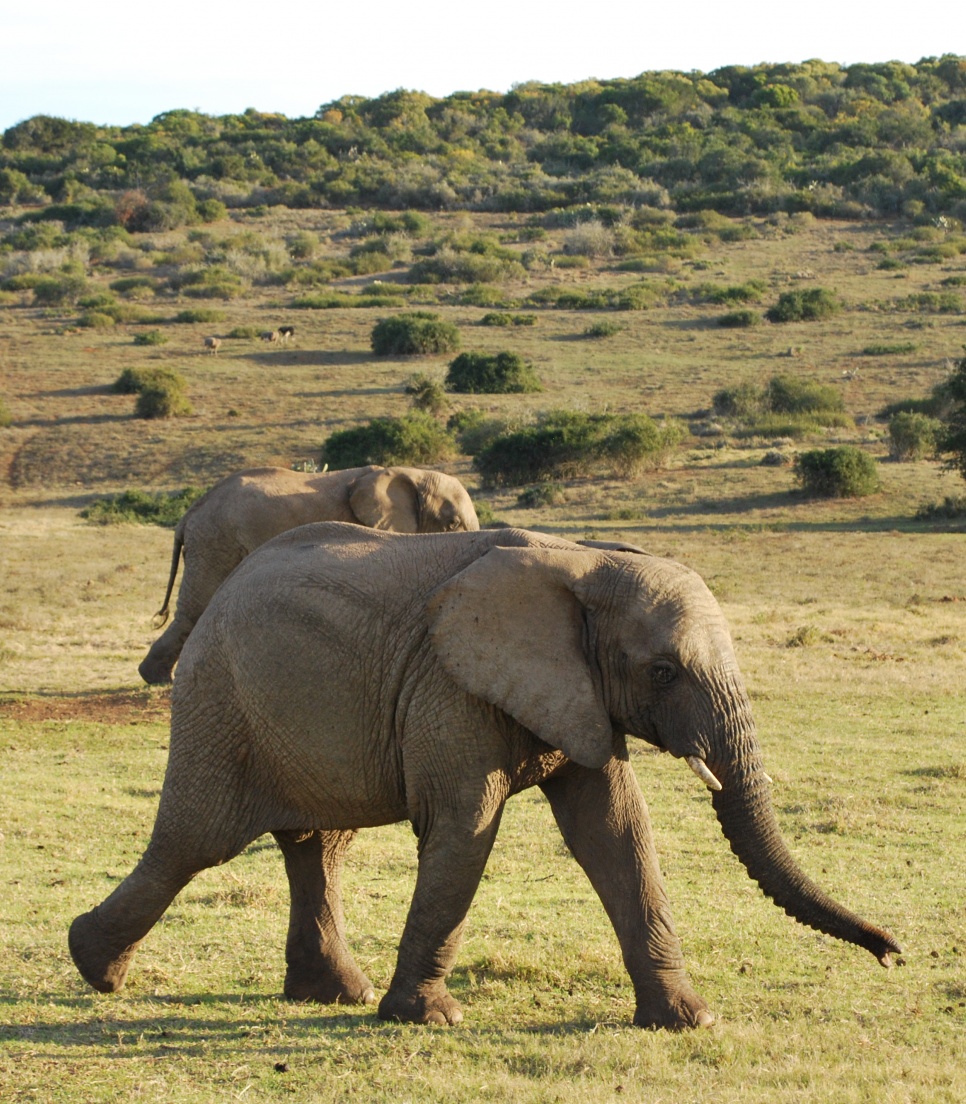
(344, 678)
(250, 507)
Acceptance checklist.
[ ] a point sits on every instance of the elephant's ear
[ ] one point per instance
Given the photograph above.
(510, 630)
(386, 499)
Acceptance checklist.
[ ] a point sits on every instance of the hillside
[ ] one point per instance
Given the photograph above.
(846, 141)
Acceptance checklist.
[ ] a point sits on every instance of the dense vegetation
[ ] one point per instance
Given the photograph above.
(857, 140)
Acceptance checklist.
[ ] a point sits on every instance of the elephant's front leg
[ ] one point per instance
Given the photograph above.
(452, 855)
(320, 966)
(604, 822)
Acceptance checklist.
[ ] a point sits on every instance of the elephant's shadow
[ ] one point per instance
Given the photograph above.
(173, 1030)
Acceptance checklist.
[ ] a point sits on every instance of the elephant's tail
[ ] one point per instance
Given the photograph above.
(162, 615)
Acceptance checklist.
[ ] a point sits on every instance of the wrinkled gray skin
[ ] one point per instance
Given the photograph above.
(343, 678)
(250, 507)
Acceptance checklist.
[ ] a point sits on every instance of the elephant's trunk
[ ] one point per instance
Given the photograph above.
(744, 810)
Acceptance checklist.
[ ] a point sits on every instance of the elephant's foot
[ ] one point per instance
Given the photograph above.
(429, 1006)
(102, 962)
(674, 1011)
(329, 984)
(155, 673)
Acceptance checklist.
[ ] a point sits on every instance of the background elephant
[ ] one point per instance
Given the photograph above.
(344, 678)
(250, 507)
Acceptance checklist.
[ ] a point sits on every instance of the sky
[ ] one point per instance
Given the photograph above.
(118, 62)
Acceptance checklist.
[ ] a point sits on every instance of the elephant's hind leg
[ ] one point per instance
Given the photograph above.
(320, 966)
(103, 941)
(157, 665)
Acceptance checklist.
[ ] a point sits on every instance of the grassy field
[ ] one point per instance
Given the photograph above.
(850, 623)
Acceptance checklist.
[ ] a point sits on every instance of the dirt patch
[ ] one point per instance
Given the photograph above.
(120, 707)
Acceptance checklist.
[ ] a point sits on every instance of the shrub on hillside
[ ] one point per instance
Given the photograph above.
(426, 394)
(200, 314)
(6, 418)
(564, 444)
(132, 381)
(412, 333)
(913, 436)
(150, 337)
(143, 507)
(57, 291)
(543, 494)
(416, 438)
(742, 401)
(841, 472)
(793, 395)
(505, 318)
(952, 440)
(807, 305)
(740, 319)
(474, 430)
(603, 329)
(162, 398)
(486, 374)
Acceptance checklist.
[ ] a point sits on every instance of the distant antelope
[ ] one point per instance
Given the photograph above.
(212, 344)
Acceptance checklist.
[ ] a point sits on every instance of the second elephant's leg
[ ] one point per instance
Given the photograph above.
(604, 822)
(157, 665)
(320, 966)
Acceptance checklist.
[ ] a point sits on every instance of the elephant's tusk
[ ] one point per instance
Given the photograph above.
(767, 778)
(698, 765)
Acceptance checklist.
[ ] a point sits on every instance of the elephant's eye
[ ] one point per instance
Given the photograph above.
(663, 672)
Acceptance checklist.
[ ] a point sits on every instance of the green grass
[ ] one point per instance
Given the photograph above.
(547, 1004)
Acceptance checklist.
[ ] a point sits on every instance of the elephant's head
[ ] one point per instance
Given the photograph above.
(410, 500)
(581, 645)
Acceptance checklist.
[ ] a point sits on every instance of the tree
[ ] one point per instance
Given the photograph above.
(952, 440)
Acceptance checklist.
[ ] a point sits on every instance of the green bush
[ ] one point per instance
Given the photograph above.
(841, 472)
(603, 329)
(913, 436)
(132, 381)
(6, 418)
(740, 319)
(95, 320)
(416, 438)
(808, 305)
(793, 395)
(133, 285)
(486, 374)
(150, 337)
(200, 314)
(543, 494)
(474, 430)
(243, 333)
(504, 318)
(143, 507)
(895, 349)
(742, 401)
(426, 394)
(565, 444)
(56, 291)
(162, 398)
(413, 333)
(952, 440)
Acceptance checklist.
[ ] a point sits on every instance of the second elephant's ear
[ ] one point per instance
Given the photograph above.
(386, 499)
(510, 630)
